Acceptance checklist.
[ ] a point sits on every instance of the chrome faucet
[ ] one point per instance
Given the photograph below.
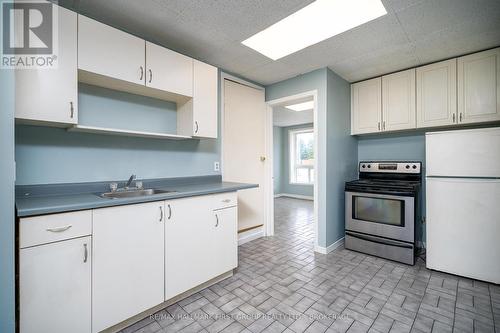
(130, 180)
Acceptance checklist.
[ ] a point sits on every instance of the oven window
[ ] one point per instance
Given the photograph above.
(378, 210)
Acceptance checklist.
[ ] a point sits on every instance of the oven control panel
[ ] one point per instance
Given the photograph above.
(391, 167)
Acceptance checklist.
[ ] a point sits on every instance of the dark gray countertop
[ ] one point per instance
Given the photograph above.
(34, 200)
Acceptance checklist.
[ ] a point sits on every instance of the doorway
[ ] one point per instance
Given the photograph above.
(294, 145)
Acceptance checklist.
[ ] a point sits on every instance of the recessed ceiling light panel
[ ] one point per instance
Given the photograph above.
(312, 24)
(301, 106)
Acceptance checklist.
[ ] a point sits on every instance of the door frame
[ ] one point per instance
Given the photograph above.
(269, 226)
(268, 168)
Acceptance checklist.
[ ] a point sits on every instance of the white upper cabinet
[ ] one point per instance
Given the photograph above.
(437, 94)
(51, 95)
(110, 52)
(128, 272)
(398, 101)
(479, 87)
(366, 106)
(168, 70)
(198, 116)
(205, 94)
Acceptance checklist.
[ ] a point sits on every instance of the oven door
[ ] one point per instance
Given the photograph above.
(382, 215)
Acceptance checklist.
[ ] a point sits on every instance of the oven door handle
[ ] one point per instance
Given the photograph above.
(378, 240)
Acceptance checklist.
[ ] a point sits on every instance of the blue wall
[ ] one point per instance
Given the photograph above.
(284, 165)
(53, 155)
(337, 150)
(397, 146)
(315, 80)
(342, 151)
(7, 175)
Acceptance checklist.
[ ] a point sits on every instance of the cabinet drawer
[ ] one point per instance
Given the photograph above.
(56, 227)
(224, 200)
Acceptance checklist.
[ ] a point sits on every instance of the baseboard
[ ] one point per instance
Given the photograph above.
(250, 235)
(330, 248)
(295, 196)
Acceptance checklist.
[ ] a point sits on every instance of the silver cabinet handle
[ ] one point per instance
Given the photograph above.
(379, 125)
(460, 116)
(161, 213)
(453, 118)
(226, 200)
(383, 125)
(169, 211)
(72, 110)
(85, 252)
(142, 73)
(216, 220)
(197, 127)
(59, 229)
(150, 75)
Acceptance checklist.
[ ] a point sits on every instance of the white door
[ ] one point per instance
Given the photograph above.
(398, 101)
(205, 98)
(463, 153)
(437, 94)
(189, 231)
(54, 287)
(463, 233)
(51, 95)
(225, 239)
(479, 87)
(128, 259)
(168, 70)
(366, 106)
(110, 52)
(243, 149)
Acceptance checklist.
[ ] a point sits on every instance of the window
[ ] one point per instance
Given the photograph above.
(302, 156)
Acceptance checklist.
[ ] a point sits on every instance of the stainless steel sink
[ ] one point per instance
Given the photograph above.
(133, 193)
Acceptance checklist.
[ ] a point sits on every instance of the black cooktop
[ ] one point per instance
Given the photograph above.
(392, 178)
(393, 187)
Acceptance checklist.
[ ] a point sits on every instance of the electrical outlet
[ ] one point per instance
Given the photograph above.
(216, 166)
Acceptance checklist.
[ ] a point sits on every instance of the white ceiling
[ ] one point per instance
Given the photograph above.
(414, 32)
(284, 117)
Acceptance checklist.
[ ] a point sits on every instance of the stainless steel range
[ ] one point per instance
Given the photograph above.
(381, 208)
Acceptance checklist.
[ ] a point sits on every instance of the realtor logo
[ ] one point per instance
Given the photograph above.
(29, 34)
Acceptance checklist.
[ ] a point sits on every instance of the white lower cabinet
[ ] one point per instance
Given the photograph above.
(224, 250)
(54, 287)
(128, 271)
(136, 257)
(200, 242)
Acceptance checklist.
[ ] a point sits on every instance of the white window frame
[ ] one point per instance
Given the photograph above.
(292, 143)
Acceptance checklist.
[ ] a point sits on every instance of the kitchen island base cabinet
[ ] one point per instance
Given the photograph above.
(128, 271)
(54, 287)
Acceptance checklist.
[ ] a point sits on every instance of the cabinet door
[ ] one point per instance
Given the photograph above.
(437, 94)
(479, 87)
(51, 95)
(366, 106)
(188, 234)
(110, 52)
(54, 287)
(168, 70)
(128, 272)
(225, 240)
(398, 101)
(205, 97)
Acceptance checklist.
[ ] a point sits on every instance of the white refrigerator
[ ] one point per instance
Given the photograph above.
(463, 202)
